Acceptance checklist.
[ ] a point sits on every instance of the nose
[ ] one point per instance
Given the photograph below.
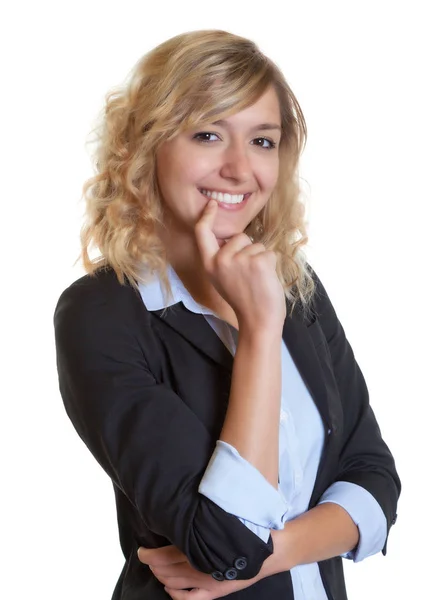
(235, 163)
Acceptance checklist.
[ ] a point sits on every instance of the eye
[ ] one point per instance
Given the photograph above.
(204, 136)
(264, 143)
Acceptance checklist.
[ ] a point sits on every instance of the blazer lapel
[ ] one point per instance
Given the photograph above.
(305, 357)
(198, 332)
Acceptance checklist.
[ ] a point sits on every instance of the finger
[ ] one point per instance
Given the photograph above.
(205, 238)
(181, 583)
(160, 556)
(181, 569)
(254, 249)
(222, 242)
(177, 594)
(195, 594)
(236, 244)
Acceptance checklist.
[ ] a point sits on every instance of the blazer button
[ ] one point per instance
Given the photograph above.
(218, 575)
(230, 573)
(240, 563)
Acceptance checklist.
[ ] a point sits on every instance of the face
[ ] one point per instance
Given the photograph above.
(236, 156)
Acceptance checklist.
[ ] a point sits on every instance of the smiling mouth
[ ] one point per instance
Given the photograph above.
(224, 197)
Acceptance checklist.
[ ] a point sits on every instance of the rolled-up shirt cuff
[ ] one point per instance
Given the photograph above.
(366, 513)
(240, 489)
(262, 532)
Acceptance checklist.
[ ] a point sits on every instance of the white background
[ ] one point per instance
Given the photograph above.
(366, 75)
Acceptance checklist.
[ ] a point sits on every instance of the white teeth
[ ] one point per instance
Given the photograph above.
(225, 198)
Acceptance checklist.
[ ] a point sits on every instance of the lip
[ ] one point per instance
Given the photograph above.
(232, 193)
(230, 207)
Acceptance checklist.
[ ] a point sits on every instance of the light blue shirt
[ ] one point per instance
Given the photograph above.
(230, 481)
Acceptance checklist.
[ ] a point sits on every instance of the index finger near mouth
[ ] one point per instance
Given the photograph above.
(205, 238)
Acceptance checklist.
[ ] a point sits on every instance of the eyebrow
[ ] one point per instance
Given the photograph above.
(261, 127)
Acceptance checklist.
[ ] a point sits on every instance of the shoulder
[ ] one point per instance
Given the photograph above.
(100, 323)
(318, 304)
(96, 298)
(101, 285)
(321, 309)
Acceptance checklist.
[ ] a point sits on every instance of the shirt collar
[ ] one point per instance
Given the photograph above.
(154, 296)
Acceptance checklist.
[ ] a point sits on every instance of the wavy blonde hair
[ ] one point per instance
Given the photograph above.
(190, 80)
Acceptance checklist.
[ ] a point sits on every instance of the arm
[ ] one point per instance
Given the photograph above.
(355, 513)
(144, 436)
(244, 275)
(252, 426)
(319, 534)
(364, 459)
(253, 417)
(328, 530)
(366, 513)
(366, 484)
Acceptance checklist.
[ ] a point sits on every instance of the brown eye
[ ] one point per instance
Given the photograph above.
(204, 136)
(262, 141)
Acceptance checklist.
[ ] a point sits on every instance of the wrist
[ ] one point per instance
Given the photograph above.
(262, 333)
(278, 561)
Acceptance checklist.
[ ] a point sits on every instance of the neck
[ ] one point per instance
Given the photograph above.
(183, 255)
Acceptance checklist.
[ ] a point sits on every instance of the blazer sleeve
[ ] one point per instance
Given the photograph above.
(365, 459)
(148, 441)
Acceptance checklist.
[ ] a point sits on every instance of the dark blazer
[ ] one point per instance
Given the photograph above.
(148, 392)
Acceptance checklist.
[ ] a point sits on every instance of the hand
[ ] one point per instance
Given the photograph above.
(243, 273)
(172, 569)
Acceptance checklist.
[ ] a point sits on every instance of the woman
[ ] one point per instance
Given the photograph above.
(200, 359)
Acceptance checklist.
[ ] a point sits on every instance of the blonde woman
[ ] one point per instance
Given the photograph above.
(200, 359)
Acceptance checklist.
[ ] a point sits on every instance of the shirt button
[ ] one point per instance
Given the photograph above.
(240, 563)
(230, 573)
(218, 575)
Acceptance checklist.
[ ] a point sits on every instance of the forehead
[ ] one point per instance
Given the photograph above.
(263, 114)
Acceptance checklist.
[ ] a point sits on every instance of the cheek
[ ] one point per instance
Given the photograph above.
(197, 165)
(164, 168)
(172, 173)
(184, 169)
(269, 175)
